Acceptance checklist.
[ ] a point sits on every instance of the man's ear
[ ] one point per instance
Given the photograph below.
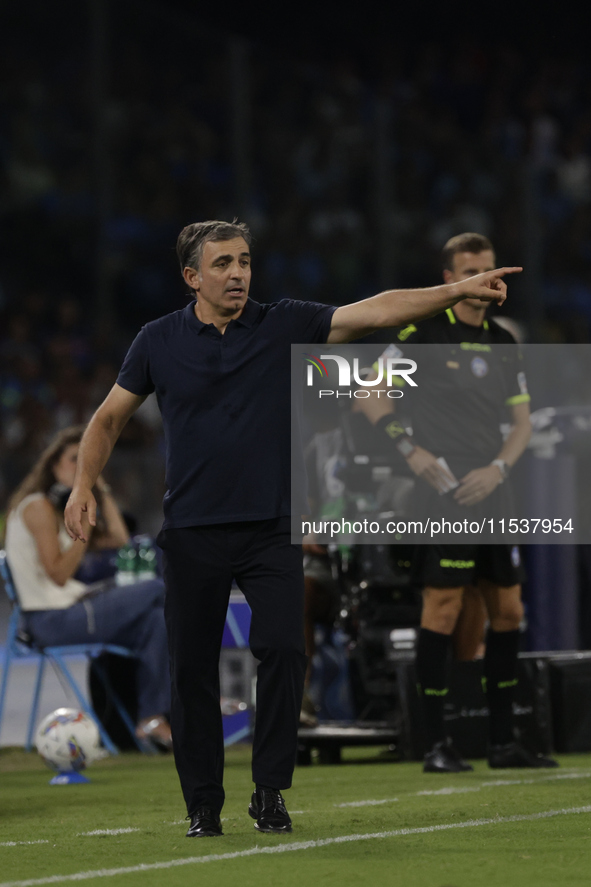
(447, 276)
(191, 278)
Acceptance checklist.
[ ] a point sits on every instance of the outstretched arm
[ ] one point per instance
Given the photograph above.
(399, 307)
(95, 448)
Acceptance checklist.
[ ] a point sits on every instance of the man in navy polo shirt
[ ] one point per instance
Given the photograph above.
(221, 371)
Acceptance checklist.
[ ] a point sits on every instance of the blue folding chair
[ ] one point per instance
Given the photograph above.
(19, 645)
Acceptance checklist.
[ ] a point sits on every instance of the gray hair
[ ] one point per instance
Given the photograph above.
(192, 239)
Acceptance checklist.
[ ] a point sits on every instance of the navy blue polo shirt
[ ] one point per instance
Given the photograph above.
(226, 407)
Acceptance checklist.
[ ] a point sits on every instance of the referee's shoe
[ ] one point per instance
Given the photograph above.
(501, 757)
(445, 758)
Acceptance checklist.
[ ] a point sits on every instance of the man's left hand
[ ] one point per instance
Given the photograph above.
(477, 485)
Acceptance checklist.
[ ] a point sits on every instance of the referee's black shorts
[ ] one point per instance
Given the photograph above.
(451, 566)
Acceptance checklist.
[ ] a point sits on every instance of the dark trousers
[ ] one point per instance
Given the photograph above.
(199, 565)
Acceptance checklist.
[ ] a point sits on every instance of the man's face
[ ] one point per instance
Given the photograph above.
(467, 265)
(223, 279)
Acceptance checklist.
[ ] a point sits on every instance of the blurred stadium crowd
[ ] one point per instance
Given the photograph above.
(351, 180)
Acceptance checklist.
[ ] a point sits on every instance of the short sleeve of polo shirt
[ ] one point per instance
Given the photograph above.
(134, 375)
(310, 321)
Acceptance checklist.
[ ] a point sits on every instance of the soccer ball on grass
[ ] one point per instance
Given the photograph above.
(68, 740)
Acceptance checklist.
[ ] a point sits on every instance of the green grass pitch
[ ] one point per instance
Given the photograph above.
(491, 831)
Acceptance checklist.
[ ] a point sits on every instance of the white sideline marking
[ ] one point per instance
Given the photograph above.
(18, 843)
(554, 776)
(460, 790)
(583, 775)
(367, 803)
(288, 848)
(107, 831)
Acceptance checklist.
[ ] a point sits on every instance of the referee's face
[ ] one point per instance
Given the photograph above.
(468, 265)
(222, 282)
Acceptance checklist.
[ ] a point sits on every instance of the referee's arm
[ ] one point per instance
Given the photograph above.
(479, 483)
(381, 413)
(519, 436)
(399, 307)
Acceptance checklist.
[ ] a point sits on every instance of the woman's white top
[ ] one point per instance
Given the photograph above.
(36, 590)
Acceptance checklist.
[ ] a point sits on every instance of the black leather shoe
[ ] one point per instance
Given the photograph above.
(444, 758)
(205, 823)
(268, 808)
(515, 755)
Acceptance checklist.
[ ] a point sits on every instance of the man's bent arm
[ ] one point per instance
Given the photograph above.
(399, 307)
(95, 448)
(518, 437)
(480, 482)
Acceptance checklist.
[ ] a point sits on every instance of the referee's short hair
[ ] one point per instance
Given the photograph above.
(464, 243)
(192, 239)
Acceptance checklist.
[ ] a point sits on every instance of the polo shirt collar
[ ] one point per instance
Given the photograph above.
(247, 318)
(250, 313)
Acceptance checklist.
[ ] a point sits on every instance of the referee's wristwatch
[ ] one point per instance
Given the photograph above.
(503, 468)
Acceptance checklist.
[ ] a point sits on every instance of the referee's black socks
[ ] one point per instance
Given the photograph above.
(432, 675)
(500, 680)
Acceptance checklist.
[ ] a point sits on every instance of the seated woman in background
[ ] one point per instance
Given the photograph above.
(59, 609)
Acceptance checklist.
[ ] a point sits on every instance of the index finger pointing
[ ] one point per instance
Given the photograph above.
(500, 272)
